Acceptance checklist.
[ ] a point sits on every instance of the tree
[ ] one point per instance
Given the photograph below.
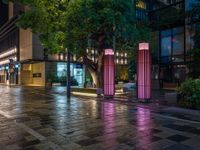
(45, 18)
(105, 24)
(82, 24)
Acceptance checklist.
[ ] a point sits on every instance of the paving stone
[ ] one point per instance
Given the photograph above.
(88, 123)
(178, 138)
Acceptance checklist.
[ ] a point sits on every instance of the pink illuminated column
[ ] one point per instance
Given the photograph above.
(109, 81)
(144, 72)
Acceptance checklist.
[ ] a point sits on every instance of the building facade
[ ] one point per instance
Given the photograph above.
(174, 38)
(23, 60)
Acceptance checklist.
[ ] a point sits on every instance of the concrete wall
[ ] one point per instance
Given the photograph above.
(38, 51)
(26, 44)
(10, 10)
(26, 74)
(39, 68)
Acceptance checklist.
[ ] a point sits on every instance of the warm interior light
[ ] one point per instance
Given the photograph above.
(8, 53)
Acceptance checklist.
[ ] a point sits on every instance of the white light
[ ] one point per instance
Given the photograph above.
(7, 60)
(16, 66)
(122, 61)
(4, 62)
(125, 61)
(74, 58)
(8, 53)
(61, 56)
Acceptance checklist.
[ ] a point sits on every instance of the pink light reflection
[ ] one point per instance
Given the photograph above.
(144, 126)
(109, 116)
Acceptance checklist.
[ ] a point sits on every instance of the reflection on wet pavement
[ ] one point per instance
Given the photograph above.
(35, 118)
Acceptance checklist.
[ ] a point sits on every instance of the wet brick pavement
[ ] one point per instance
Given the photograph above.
(34, 118)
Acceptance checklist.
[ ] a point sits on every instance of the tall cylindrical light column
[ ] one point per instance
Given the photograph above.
(109, 75)
(144, 72)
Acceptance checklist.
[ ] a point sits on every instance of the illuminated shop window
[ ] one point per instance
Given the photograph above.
(141, 4)
(117, 61)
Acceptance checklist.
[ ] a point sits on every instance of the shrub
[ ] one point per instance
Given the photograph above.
(189, 93)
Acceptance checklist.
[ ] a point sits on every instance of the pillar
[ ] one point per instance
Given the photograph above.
(144, 72)
(109, 76)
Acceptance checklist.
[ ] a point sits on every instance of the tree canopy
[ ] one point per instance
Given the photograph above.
(45, 18)
(82, 24)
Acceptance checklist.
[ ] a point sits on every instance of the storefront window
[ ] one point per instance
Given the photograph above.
(178, 44)
(172, 45)
(166, 46)
(76, 71)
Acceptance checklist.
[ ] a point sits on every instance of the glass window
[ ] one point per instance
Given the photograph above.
(166, 46)
(177, 30)
(166, 33)
(178, 44)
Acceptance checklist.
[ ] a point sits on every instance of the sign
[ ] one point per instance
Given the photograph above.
(37, 75)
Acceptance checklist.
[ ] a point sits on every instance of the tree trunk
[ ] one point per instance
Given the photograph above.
(100, 70)
(96, 70)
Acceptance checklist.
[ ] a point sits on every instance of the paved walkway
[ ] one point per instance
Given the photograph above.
(32, 118)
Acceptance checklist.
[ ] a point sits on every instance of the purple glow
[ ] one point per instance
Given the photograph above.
(109, 52)
(109, 84)
(144, 72)
(143, 46)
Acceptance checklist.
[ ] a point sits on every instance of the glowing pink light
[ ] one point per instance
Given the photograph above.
(109, 52)
(109, 83)
(144, 72)
(143, 46)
